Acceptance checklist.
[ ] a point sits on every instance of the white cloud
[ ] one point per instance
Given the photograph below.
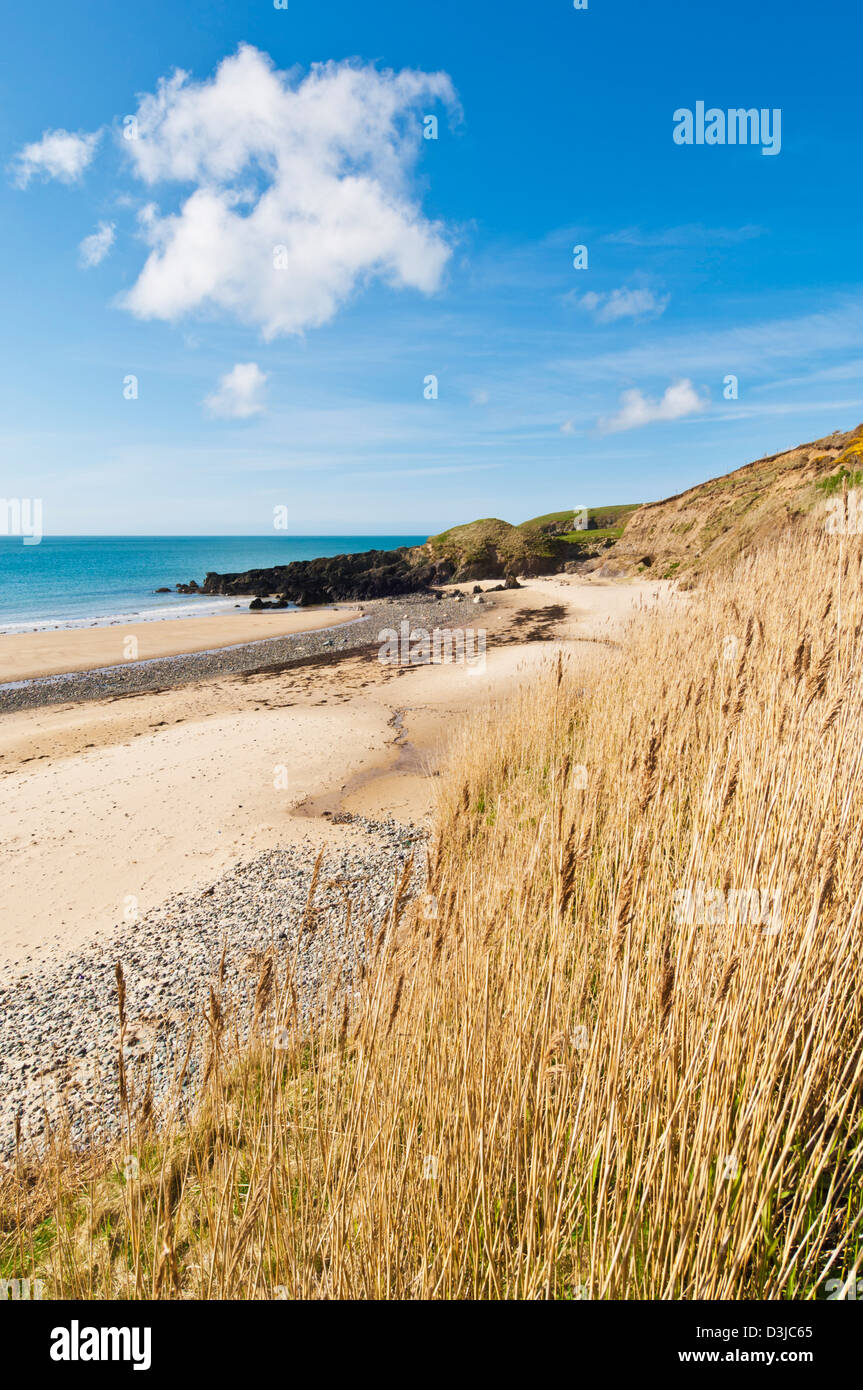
(479, 397)
(567, 427)
(58, 155)
(94, 248)
(623, 304)
(690, 234)
(301, 191)
(240, 392)
(681, 398)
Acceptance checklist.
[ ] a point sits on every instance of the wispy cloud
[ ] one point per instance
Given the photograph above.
(636, 409)
(758, 347)
(619, 304)
(58, 155)
(240, 393)
(458, 469)
(94, 248)
(688, 234)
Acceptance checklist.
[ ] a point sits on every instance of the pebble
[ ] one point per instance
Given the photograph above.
(160, 672)
(59, 1024)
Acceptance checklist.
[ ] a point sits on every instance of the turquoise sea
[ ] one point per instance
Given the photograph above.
(83, 581)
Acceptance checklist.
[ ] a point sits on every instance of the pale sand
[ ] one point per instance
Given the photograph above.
(112, 806)
(28, 654)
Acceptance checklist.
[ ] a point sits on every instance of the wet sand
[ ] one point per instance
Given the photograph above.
(26, 655)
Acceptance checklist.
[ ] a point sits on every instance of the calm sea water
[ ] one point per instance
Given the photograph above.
(81, 581)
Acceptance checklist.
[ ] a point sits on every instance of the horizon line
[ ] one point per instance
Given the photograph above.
(217, 535)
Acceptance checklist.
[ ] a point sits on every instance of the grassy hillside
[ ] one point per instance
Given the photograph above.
(606, 519)
(491, 548)
(591, 540)
(713, 522)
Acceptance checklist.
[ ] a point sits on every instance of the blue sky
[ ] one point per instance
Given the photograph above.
(304, 385)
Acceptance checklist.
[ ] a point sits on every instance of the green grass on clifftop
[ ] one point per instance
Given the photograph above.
(610, 520)
(490, 547)
(491, 542)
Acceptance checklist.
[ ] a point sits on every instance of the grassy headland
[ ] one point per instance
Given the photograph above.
(491, 548)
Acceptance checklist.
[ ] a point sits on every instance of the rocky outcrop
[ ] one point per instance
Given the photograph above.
(337, 579)
(259, 603)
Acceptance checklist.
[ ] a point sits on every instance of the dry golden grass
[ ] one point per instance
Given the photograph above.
(554, 1087)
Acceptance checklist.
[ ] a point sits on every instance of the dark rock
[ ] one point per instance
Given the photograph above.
(161, 591)
(191, 588)
(511, 582)
(338, 578)
(256, 603)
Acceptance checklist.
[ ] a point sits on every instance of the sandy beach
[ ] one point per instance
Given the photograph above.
(24, 656)
(112, 802)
